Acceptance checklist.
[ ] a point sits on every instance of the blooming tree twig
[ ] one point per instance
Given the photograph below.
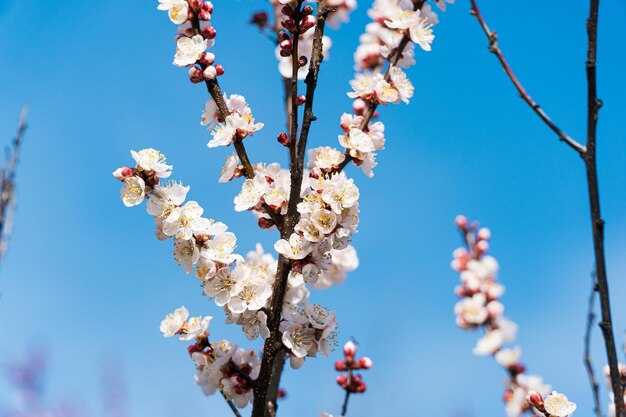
(587, 355)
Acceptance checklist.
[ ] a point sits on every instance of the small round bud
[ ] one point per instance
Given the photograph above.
(484, 234)
(349, 349)
(195, 75)
(286, 45)
(300, 100)
(207, 6)
(204, 15)
(342, 381)
(210, 32)
(341, 366)
(259, 19)
(482, 246)
(219, 69)
(207, 58)
(307, 10)
(535, 399)
(359, 106)
(365, 363)
(210, 72)
(265, 223)
(282, 36)
(303, 61)
(284, 53)
(283, 139)
(461, 222)
(307, 23)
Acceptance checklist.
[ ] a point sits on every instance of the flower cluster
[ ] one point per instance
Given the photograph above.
(388, 41)
(480, 308)
(553, 405)
(350, 381)
(622, 375)
(225, 367)
(237, 125)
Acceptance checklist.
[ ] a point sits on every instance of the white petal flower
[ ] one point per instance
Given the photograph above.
(296, 248)
(222, 287)
(133, 191)
(174, 322)
(252, 296)
(558, 405)
(401, 82)
(324, 220)
(251, 192)
(195, 327)
(508, 357)
(220, 248)
(186, 253)
(152, 160)
(489, 343)
(255, 324)
(189, 50)
(298, 339)
(163, 200)
(421, 33)
(184, 221)
(228, 170)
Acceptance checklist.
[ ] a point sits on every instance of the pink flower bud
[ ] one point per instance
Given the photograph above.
(210, 32)
(303, 61)
(207, 58)
(307, 10)
(194, 4)
(210, 72)
(207, 6)
(349, 349)
(484, 234)
(365, 363)
(220, 70)
(307, 23)
(358, 106)
(341, 366)
(300, 100)
(461, 222)
(204, 15)
(265, 223)
(286, 45)
(535, 399)
(482, 246)
(342, 380)
(283, 139)
(122, 173)
(195, 75)
(259, 19)
(282, 36)
(286, 10)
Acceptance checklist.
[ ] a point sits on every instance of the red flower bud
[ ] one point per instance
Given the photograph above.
(219, 69)
(364, 363)
(195, 75)
(265, 223)
(341, 366)
(283, 139)
(300, 100)
(210, 32)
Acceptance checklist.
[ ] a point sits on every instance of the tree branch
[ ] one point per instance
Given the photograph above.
(597, 223)
(215, 92)
(494, 48)
(273, 359)
(587, 355)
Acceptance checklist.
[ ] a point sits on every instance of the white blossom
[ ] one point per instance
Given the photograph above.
(189, 50)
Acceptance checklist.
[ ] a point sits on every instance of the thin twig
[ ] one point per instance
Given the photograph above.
(7, 192)
(344, 407)
(494, 48)
(231, 405)
(597, 223)
(587, 355)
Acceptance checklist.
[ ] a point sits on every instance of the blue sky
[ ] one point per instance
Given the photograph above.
(85, 277)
